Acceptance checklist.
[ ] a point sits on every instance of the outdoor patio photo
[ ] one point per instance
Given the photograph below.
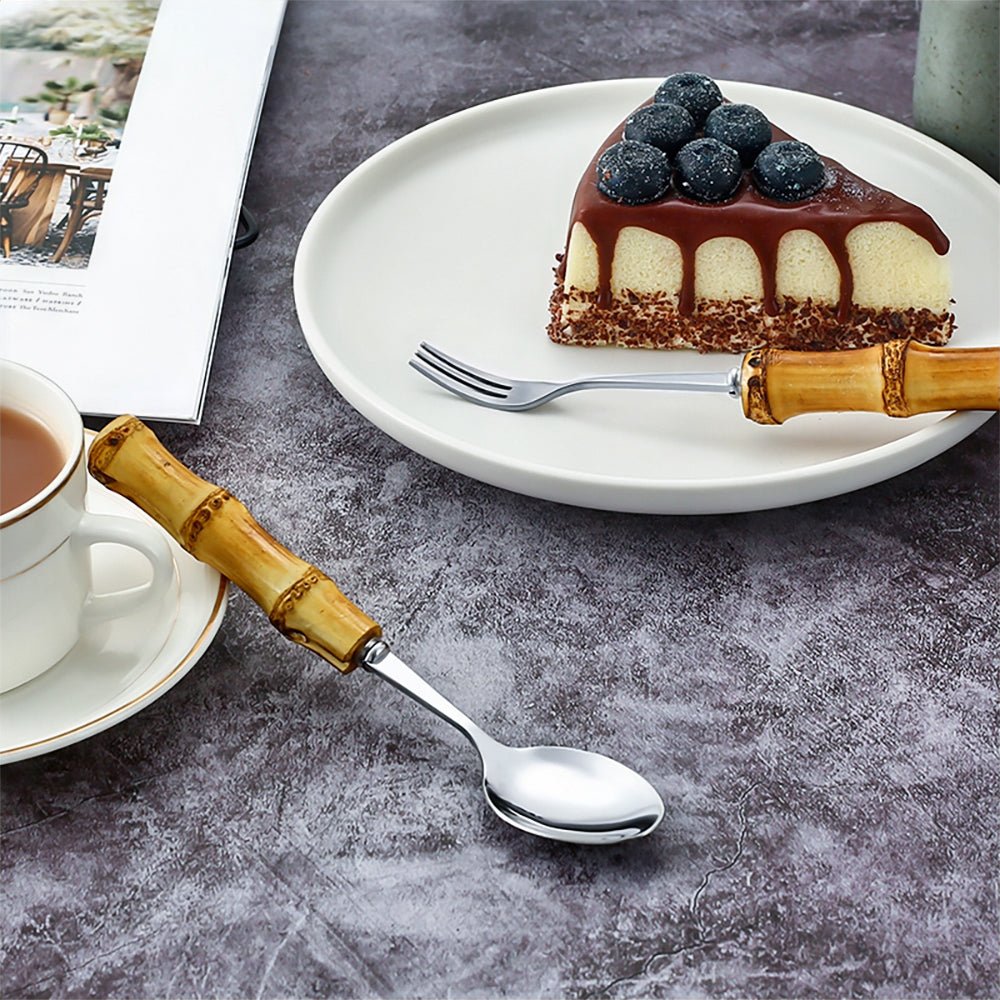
(69, 76)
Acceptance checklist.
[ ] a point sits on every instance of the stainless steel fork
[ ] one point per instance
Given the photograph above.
(500, 392)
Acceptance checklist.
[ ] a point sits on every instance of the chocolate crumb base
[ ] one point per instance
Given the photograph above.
(652, 320)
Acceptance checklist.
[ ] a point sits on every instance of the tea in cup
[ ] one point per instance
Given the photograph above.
(46, 588)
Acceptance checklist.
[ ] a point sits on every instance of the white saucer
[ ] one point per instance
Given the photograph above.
(117, 668)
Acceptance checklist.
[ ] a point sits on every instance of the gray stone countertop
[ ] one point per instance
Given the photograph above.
(812, 690)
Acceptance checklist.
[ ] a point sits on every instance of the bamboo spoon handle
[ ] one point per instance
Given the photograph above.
(900, 378)
(301, 602)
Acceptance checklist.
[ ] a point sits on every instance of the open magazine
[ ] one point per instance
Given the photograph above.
(126, 128)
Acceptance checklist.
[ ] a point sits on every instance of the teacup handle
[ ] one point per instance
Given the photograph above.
(95, 528)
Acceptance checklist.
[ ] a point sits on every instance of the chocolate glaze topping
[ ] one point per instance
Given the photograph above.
(845, 202)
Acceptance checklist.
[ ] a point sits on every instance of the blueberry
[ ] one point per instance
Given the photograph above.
(741, 127)
(633, 172)
(707, 170)
(789, 171)
(666, 126)
(692, 91)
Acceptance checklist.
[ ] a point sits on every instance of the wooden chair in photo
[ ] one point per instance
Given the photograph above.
(86, 199)
(21, 165)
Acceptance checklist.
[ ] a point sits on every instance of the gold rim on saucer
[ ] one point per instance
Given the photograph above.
(208, 630)
(102, 723)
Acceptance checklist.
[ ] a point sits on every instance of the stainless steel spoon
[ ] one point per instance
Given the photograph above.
(554, 792)
(549, 791)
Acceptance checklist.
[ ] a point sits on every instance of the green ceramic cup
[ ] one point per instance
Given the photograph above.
(956, 91)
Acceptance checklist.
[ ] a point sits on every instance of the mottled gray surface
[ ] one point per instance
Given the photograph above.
(812, 690)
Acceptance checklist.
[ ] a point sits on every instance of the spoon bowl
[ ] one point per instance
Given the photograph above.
(569, 795)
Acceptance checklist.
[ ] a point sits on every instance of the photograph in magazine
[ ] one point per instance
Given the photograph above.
(70, 69)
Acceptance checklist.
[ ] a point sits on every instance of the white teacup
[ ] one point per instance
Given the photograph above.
(46, 590)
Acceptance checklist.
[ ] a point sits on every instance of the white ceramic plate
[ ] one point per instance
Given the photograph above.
(117, 668)
(449, 235)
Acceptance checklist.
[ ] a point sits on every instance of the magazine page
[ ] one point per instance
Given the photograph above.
(126, 128)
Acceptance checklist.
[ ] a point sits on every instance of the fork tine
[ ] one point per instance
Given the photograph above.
(454, 384)
(465, 370)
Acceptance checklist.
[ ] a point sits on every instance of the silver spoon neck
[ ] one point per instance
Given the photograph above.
(379, 659)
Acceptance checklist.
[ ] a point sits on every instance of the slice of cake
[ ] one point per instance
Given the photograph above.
(699, 224)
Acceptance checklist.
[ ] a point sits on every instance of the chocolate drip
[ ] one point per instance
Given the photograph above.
(845, 202)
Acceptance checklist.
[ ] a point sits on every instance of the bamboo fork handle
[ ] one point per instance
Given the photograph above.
(900, 378)
(301, 602)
